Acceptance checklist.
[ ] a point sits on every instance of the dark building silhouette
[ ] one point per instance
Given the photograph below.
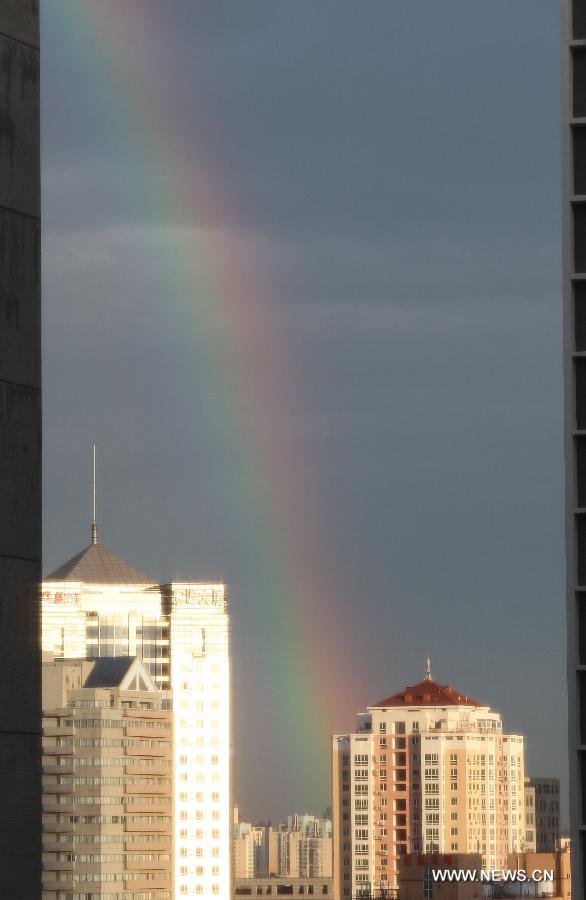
(574, 275)
(20, 452)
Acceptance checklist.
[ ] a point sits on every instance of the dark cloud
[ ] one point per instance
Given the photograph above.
(393, 170)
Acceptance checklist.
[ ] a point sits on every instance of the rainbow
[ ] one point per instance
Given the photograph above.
(238, 363)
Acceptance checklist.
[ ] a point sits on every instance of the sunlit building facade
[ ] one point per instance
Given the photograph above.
(107, 782)
(97, 605)
(429, 770)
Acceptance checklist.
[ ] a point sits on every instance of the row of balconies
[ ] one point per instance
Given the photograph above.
(157, 771)
(52, 845)
(95, 809)
(51, 789)
(161, 828)
(144, 884)
(55, 865)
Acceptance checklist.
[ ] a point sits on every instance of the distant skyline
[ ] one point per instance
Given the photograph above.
(301, 286)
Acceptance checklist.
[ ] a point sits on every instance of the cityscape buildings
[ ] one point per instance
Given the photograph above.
(107, 781)
(97, 605)
(20, 451)
(428, 770)
(574, 304)
(301, 848)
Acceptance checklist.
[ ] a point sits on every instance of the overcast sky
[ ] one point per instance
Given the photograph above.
(390, 176)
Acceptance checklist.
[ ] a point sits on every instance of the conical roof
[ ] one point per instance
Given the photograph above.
(97, 565)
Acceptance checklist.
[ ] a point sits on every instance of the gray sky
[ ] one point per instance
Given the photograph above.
(392, 171)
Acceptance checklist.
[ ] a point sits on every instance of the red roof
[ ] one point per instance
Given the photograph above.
(428, 693)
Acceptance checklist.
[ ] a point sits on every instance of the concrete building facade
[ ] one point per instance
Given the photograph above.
(530, 844)
(574, 304)
(107, 782)
(20, 451)
(98, 605)
(547, 814)
(429, 770)
(295, 854)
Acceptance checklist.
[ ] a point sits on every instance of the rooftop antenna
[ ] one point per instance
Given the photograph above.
(428, 675)
(94, 524)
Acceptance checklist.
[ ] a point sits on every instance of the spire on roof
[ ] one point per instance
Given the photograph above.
(94, 523)
(428, 675)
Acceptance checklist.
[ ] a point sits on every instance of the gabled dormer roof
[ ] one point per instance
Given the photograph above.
(124, 672)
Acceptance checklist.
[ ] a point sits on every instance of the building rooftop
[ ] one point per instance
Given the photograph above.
(108, 671)
(127, 672)
(97, 565)
(428, 693)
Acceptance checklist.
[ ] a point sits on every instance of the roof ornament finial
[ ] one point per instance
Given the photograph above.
(94, 523)
(428, 675)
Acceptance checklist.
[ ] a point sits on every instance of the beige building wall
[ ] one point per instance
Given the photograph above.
(107, 787)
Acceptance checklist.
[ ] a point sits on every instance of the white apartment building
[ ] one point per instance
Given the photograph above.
(428, 770)
(97, 605)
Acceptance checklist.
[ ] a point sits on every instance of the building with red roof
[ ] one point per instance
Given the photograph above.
(428, 770)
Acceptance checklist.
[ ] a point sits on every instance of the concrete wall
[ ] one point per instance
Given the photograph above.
(574, 292)
(20, 451)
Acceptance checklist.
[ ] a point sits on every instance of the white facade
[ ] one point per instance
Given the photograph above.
(181, 632)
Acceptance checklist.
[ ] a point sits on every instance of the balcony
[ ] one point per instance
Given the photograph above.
(56, 769)
(58, 731)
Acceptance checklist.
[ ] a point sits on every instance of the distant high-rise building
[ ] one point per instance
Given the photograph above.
(107, 781)
(547, 813)
(312, 826)
(97, 605)
(243, 851)
(251, 850)
(530, 842)
(574, 288)
(297, 854)
(429, 770)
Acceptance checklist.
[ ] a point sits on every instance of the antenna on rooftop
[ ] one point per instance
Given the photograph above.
(94, 523)
(428, 675)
